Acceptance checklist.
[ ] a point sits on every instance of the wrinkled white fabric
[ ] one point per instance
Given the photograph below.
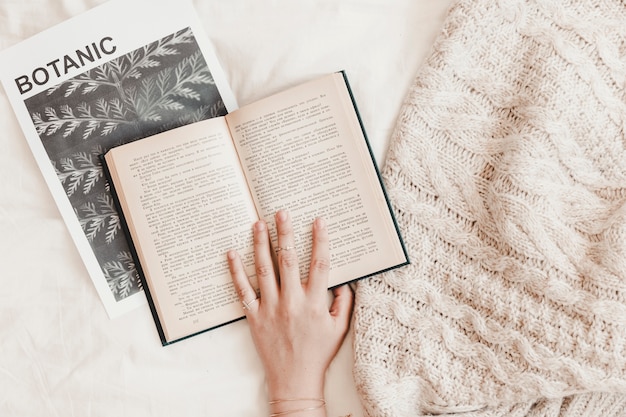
(59, 353)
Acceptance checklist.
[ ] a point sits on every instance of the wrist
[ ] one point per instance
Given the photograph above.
(297, 389)
(297, 382)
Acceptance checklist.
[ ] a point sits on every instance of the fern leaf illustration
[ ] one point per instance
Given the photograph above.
(73, 86)
(170, 88)
(121, 275)
(118, 111)
(148, 62)
(60, 174)
(89, 209)
(106, 115)
(94, 219)
(93, 174)
(37, 119)
(92, 125)
(86, 82)
(68, 165)
(201, 113)
(148, 56)
(66, 111)
(217, 109)
(80, 168)
(143, 98)
(113, 229)
(72, 177)
(130, 65)
(54, 88)
(54, 123)
(102, 108)
(98, 76)
(198, 72)
(188, 93)
(51, 114)
(73, 184)
(53, 127)
(90, 221)
(127, 66)
(84, 110)
(44, 127)
(64, 176)
(113, 219)
(90, 87)
(92, 177)
(170, 104)
(108, 128)
(70, 128)
(181, 37)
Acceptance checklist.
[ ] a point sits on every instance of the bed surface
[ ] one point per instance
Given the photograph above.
(60, 354)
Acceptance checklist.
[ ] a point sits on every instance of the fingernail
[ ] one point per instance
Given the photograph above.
(259, 226)
(320, 223)
(281, 215)
(231, 254)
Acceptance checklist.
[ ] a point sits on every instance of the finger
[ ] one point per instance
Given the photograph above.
(341, 308)
(241, 282)
(320, 260)
(264, 266)
(286, 253)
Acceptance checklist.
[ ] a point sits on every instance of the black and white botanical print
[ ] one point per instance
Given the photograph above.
(158, 87)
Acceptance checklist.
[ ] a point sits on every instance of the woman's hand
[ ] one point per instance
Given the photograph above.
(295, 332)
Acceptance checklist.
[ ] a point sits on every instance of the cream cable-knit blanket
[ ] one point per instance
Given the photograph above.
(507, 172)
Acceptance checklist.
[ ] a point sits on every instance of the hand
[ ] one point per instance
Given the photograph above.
(295, 332)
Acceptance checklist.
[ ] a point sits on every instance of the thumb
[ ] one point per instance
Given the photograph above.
(341, 308)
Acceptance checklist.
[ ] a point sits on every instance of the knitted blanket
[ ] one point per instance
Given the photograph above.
(507, 171)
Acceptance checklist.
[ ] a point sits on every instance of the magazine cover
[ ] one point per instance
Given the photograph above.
(122, 71)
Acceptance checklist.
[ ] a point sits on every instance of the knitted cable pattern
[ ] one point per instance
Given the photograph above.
(507, 172)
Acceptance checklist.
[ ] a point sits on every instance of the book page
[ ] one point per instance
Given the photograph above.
(186, 204)
(304, 150)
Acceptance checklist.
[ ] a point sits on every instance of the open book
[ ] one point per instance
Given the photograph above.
(190, 194)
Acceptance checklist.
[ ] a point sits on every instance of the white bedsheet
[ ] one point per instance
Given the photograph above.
(60, 355)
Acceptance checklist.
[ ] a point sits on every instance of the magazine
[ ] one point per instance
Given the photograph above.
(122, 71)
